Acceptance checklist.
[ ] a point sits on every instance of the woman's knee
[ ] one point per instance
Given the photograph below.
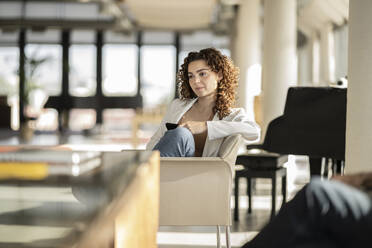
(178, 142)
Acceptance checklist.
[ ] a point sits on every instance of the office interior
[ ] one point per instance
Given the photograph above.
(98, 75)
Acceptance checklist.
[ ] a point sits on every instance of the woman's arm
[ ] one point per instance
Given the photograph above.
(162, 128)
(156, 137)
(235, 123)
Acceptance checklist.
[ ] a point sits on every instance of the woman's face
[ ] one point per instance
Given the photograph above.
(202, 79)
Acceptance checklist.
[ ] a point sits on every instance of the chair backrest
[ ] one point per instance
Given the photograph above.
(229, 148)
(197, 190)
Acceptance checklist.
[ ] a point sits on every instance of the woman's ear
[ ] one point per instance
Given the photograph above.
(219, 76)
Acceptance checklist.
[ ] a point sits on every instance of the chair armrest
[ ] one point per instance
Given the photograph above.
(254, 146)
(195, 160)
(195, 164)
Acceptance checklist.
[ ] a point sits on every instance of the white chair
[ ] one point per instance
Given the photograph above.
(196, 191)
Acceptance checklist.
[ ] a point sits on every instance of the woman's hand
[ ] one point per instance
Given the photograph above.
(351, 180)
(360, 180)
(195, 127)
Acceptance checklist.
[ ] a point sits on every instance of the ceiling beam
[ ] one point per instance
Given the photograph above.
(110, 8)
(56, 23)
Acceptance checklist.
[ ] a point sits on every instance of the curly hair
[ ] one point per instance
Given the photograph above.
(226, 88)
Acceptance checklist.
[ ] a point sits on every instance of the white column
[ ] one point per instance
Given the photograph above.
(315, 60)
(279, 59)
(247, 52)
(308, 62)
(359, 94)
(303, 66)
(327, 57)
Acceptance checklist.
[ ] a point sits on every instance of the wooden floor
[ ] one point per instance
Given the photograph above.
(249, 224)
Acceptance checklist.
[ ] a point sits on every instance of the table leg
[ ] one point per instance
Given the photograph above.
(236, 196)
(273, 195)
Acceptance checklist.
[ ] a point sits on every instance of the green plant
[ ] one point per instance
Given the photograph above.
(33, 63)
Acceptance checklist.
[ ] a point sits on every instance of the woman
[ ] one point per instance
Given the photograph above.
(204, 113)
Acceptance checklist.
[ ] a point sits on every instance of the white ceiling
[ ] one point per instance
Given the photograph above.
(172, 14)
(156, 14)
(316, 14)
(196, 14)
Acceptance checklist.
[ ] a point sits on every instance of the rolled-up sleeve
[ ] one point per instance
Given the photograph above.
(161, 129)
(235, 123)
(175, 108)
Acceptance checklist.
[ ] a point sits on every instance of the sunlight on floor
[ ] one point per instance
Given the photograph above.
(195, 239)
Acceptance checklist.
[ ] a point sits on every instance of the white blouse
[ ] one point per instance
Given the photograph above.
(236, 122)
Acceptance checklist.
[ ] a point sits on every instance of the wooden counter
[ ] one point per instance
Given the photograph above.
(116, 205)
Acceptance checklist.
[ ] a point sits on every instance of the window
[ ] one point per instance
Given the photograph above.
(183, 54)
(157, 37)
(9, 63)
(81, 119)
(43, 68)
(82, 70)
(120, 70)
(47, 120)
(203, 39)
(158, 74)
(119, 120)
(9, 83)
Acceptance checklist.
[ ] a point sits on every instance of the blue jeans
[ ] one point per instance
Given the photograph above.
(178, 142)
(322, 214)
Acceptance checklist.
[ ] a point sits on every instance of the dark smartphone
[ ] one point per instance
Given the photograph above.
(171, 126)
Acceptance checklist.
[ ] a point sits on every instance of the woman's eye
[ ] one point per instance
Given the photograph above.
(203, 74)
(191, 76)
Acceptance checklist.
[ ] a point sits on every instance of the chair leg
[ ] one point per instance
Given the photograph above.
(228, 237)
(338, 167)
(236, 198)
(249, 194)
(326, 162)
(284, 189)
(273, 196)
(218, 237)
(342, 167)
